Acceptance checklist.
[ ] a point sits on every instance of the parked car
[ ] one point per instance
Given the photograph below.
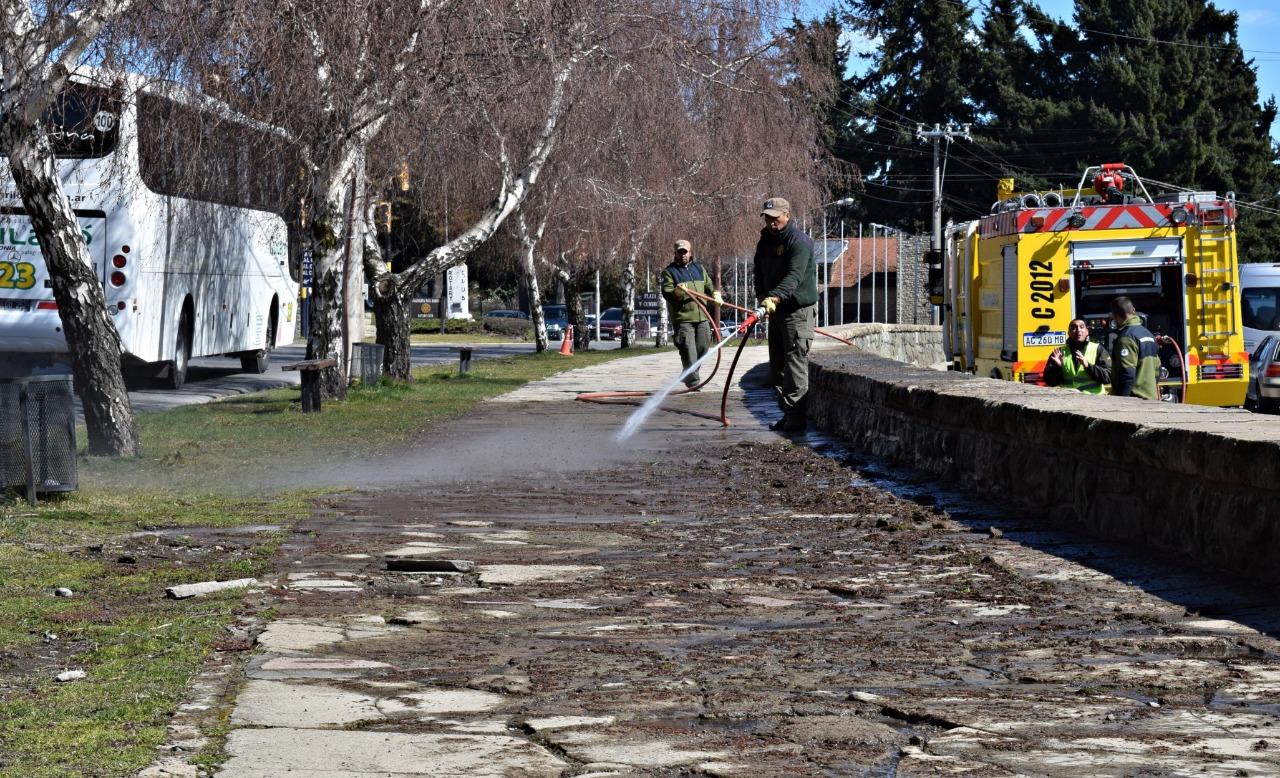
(500, 314)
(557, 318)
(1263, 391)
(611, 325)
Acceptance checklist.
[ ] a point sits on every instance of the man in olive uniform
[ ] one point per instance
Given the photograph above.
(692, 329)
(1081, 364)
(787, 287)
(1135, 358)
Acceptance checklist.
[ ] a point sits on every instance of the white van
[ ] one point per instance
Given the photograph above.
(1259, 301)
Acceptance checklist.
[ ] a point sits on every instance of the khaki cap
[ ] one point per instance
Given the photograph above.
(684, 244)
(775, 206)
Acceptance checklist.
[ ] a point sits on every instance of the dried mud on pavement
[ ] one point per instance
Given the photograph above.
(724, 603)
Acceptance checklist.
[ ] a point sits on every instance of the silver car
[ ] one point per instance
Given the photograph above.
(1263, 393)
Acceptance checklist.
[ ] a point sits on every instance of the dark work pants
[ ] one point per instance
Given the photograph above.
(790, 336)
(692, 340)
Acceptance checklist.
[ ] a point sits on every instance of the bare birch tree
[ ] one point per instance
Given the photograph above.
(330, 75)
(517, 100)
(695, 158)
(42, 45)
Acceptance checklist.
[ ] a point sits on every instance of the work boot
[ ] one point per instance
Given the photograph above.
(789, 423)
(795, 423)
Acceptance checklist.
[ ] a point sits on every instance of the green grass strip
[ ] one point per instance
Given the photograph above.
(140, 651)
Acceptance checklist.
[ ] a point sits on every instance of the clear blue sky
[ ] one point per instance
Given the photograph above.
(1259, 34)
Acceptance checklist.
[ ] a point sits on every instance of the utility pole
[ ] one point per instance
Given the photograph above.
(950, 133)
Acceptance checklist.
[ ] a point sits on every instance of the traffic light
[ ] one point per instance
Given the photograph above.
(933, 262)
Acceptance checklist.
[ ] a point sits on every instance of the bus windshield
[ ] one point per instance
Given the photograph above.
(83, 122)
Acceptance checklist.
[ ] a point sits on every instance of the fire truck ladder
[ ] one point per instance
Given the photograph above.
(1216, 279)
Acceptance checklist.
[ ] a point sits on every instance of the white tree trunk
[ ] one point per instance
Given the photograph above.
(629, 299)
(331, 226)
(664, 320)
(529, 273)
(92, 340)
(353, 275)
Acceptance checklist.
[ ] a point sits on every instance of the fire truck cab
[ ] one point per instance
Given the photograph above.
(1014, 280)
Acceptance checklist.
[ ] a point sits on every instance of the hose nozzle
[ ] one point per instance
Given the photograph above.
(751, 319)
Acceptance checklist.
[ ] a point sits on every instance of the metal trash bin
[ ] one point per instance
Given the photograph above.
(366, 363)
(38, 435)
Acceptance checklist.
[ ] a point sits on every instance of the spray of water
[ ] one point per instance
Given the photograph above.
(643, 413)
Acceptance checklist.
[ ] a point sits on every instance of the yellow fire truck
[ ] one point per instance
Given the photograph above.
(1013, 281)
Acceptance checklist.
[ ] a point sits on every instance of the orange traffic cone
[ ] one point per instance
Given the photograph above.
(566, 348)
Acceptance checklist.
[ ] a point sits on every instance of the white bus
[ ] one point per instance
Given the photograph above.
(179, 224)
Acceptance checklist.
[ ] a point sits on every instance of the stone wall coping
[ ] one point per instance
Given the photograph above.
(850, 331)
(1225, 445)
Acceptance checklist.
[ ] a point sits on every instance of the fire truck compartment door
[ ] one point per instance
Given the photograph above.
(1009, 342)
(1121, 254)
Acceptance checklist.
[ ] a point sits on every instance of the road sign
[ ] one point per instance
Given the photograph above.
(456, 286)
(647, 303)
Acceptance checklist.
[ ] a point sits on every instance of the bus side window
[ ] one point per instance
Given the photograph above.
(297, 244)
(158, 149)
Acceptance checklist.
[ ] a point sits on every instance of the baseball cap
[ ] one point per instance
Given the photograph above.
(775, 206)
(684, 244)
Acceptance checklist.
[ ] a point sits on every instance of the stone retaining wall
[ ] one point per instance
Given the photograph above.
(1200, 481)
(914, 344)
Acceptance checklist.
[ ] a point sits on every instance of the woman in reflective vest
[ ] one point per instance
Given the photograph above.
(1080, 364)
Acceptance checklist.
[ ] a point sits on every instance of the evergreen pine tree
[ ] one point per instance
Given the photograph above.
(818, 63)
(1161, 85)
(919, 74)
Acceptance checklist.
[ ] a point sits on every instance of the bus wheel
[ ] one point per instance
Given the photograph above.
(257, 361)
(181, 353)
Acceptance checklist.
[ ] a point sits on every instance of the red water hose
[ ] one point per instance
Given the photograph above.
(1168, 341)
(748, 310)
(744, 328)
(753, 316)
(624, 397)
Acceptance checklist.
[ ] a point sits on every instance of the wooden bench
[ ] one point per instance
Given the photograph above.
(310, 371)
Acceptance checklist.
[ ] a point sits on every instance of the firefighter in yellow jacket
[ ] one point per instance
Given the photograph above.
(1081, 364)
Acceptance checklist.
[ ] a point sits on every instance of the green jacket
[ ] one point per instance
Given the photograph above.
(1089, 378)
(1135, 361)
(784, 268)
(691, 276)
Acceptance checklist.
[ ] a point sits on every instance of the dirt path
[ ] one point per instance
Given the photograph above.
(719, 602)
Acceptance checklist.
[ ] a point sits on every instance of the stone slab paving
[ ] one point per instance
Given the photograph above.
(638, 374)
(272, 753)
(723, 602)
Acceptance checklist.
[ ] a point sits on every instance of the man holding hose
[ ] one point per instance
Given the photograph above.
(692, 329)
(787, 287)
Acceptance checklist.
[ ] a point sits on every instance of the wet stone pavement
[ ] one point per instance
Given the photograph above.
(729, 602)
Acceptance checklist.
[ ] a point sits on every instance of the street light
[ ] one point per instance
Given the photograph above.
(843, 202)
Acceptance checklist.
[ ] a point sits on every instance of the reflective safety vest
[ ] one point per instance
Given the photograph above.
(1078, 378)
